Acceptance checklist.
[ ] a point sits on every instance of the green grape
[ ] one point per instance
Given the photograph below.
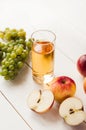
(7, 77)
(15, 47)
(1, 45)
(13, 43)
(11, 73)
(19, 51)
(12, 62)
(20, 47)
(3, 61)
(9, 43)
(7, 36)
(21, 33)
(10, 48)
(13, 52)
(21, 41)
(4, 48)
(11, 67)
(7, 63)
(14, 34)
(23, 55)
(4, 72)
(8, 55)
(25, 51)
(20, 64)
(1, 34)
(29, 43)
(10, 58)
(13, 55)
(3, 66)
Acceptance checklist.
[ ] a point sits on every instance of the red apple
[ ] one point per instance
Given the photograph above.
(81, 65)
(62, 87)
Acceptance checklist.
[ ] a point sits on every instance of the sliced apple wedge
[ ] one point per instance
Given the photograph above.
(40, 101)
(84, 85)
(71, 110)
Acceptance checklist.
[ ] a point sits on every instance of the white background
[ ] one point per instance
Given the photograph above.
(67, 19)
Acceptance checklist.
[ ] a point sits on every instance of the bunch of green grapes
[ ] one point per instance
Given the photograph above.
(16, 50)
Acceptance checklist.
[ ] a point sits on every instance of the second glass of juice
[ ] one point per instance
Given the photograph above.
(43, 56)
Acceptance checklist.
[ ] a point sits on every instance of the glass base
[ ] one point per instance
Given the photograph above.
(43, 79)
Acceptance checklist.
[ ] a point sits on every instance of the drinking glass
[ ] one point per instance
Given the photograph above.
(43, 55)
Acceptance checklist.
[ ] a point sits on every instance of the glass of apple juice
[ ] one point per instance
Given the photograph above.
(43, 56)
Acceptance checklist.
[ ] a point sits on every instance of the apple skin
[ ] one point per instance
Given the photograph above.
(62, 87)
(81, 65)
(84, 85)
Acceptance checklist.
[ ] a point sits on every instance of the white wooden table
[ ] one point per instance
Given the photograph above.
(67, 18)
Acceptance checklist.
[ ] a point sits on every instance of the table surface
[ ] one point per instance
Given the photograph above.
(67, 19)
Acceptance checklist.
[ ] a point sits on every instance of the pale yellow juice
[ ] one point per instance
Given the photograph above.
(42, 60)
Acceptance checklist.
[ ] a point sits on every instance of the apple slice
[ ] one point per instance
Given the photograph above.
(40, 101)
(84, 85)
(71, 110)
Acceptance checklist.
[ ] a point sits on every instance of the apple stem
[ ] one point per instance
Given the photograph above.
(63, 81)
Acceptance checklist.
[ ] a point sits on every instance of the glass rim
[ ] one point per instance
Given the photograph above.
(42, 30)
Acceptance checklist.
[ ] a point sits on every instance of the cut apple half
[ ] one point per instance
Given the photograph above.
(71, 110)
(40, 101)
